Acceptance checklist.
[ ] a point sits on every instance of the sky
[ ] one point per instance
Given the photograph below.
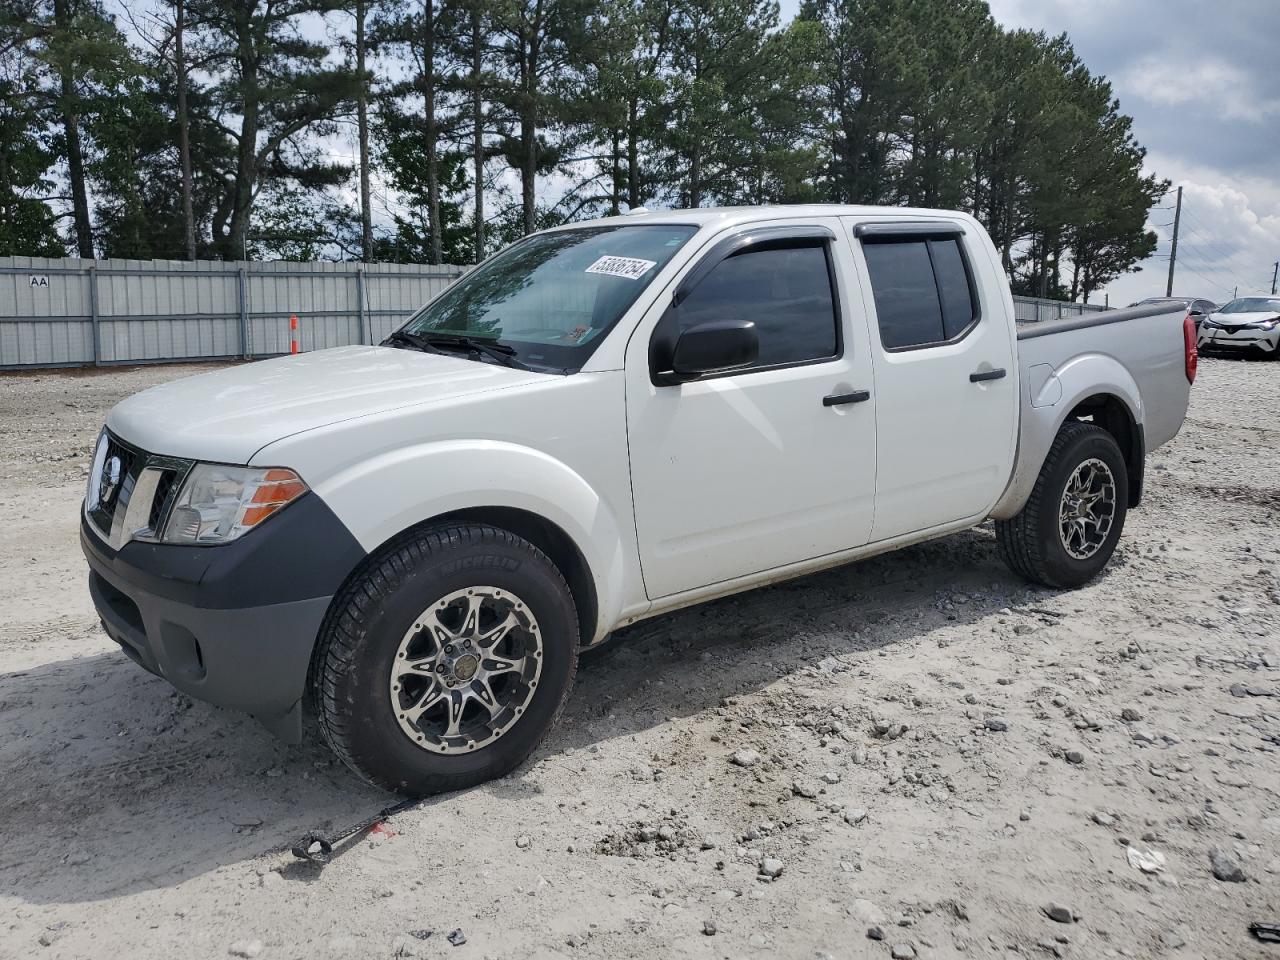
(1201, 79)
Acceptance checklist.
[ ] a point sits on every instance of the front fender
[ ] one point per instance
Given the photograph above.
(1047, 401)
(380, 497)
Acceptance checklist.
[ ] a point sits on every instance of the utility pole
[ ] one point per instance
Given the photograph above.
(1173, 253)
(1275, 274)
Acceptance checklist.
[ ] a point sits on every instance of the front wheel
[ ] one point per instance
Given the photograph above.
(1069, 526)
(446, 660)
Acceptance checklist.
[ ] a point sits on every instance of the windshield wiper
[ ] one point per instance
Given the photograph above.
(404, 338)
(501, 352)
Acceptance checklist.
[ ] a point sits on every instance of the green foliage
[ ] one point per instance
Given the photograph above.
(27, 223)
(275, 97)
(929, 103)
(404, 163)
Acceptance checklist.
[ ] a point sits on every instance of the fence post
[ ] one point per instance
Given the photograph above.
(242, 296)
(366, 336)
(93, 315)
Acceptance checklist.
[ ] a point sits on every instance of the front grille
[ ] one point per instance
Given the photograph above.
(136, 490)
(115, 483)
(166, 490)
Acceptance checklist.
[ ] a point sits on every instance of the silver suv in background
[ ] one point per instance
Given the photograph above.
(1247, 326)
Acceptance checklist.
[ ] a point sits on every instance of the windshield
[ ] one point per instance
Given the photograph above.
(1253, 305)
(551, 297)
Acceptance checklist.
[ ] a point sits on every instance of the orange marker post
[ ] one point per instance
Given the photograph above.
(293, 333)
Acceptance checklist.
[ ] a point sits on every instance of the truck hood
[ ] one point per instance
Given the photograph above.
(228, 415)
(1240, 319)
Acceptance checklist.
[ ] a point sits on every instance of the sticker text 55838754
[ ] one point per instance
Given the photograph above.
(633, 268)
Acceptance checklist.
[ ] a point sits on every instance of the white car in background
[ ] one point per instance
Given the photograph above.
(1247, 325)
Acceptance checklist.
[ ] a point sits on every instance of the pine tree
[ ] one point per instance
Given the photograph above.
(28, 225)
(274, 98)
(536, 83)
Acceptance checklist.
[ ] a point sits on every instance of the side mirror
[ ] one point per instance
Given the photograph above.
(713, 347)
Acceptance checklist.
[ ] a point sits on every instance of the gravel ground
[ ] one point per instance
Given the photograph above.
(918, 747)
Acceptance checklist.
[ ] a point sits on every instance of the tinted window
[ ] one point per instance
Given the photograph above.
(953, 285)
(921, 289)
(785, 291)
(906, 294)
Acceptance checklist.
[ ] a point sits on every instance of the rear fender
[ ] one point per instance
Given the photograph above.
(1044, 412)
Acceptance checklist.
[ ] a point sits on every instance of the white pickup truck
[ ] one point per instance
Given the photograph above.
(602, 423)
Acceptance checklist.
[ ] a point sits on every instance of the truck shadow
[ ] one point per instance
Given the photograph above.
(114, 783)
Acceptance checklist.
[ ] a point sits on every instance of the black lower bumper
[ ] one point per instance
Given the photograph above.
(234, 624)
(1259, 346)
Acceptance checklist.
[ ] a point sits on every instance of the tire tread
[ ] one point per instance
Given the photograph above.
(1019, 542)
(343, 629)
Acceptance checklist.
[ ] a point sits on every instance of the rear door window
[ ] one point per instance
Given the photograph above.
(922, 291)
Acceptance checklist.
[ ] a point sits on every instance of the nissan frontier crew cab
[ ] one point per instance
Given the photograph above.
(602, 423)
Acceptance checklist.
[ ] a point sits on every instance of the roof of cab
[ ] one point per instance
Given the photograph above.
(723, 216)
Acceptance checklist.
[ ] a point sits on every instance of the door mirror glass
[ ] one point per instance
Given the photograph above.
(715, 346)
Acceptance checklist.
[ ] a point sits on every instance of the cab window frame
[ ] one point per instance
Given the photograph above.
(927, 233)
(667, 330)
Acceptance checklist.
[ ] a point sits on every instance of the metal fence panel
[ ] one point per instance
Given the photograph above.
(1033, 309)
(75, 312)
(63, 312)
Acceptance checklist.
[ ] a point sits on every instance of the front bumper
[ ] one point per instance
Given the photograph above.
(1248, 340)
(233, 624)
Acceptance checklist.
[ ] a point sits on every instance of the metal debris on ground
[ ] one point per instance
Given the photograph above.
(1266, 932)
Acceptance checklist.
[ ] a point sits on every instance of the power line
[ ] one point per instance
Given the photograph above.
(1210, 265)
(1206, 279)
(1207, 249)
(1213, 245)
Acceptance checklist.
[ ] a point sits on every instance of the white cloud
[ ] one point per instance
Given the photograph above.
(1229, 236)
(1220, 87)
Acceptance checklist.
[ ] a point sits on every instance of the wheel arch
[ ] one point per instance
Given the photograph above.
(551, 540)
(1112, 414)
(518, 489)
(1090, 388)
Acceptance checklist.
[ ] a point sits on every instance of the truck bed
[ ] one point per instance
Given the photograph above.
(1136, 353)
(1031, 329)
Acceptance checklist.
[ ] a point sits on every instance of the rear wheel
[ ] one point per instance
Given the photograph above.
(1069, 527)
(445, 662)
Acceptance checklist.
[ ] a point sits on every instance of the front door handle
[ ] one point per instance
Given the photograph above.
(837, 399)
(982, 375)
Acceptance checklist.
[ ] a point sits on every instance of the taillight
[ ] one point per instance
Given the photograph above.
(1189, 342)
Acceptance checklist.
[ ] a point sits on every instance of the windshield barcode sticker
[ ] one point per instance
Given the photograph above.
(632, 268)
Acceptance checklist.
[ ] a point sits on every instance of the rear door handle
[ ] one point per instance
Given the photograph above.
(981, 375)
(837, 399)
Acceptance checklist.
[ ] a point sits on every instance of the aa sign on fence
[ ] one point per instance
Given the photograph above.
(39, 280)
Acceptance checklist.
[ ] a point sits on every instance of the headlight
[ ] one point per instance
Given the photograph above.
(220, 503)
(1269, 324)
(93, 495)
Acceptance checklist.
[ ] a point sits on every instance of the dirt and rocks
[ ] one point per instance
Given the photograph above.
(915, 756)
